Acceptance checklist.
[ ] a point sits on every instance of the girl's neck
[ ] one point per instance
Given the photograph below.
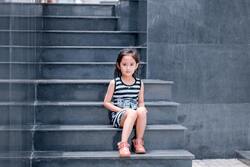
(128, 80)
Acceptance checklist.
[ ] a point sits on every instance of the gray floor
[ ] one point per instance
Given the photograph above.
(218, 163)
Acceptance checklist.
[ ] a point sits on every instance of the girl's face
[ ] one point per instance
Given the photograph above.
(127, 66)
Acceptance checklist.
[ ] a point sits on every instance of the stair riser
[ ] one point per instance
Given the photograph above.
(15, 141)
(20, 9)
(4, 38)
(84, 55)
(16, 115)
(15, 162)
(21, 23)
(18, 71)
(22, 54)
(19, 38)
(67, 38)
(81, 24)
(103, 140)
(38, 23)
(89, 39)
(19, 54)
(17, 92)
(79, 10)
(60, 71)
(95, 92)
(80, 115)
(5, 22)
(77, 162)
(85, 71)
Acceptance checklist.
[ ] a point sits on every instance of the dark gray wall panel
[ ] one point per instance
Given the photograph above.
(203, 46)
(203, 73)
(199, 21)
(216, 130)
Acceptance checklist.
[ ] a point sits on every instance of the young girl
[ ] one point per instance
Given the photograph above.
(125, 100)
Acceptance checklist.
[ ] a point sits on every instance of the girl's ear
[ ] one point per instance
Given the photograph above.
(118, 66)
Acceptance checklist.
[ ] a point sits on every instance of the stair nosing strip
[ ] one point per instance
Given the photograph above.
(75, 31)
(60, 17)
(85, 103)
(168, 127)
(59, 4)
(153, 154)
(74, 47)
(5, 155)
(78, 4)
(65, 63)
(99, 103)
(75, 81)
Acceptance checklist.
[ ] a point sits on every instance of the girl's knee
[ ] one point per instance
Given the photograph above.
(141, 111)
(131, 113)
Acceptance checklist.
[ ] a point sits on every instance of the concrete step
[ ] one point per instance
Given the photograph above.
(90, 38)
(87, 137)
(20, 37)
(93, 113)
(85, 53)
(24, 22)
(76, 113)
(243, 156)
(64, 53)
(19, 53)
(17, 91)
(82, 70)
(12, 8)
(72, 38)
(159, 158)
(99, 23)
(61, 70)
(166, 158)
(95, 90)
(21, 22)
(73, 90)
(18, 70)
(15, 159)
(79, 9)
(17, 113)
(16, 138)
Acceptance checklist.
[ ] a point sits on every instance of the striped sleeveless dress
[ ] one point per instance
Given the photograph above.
(124, 96)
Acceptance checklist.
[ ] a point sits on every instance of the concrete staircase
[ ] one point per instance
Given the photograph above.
(243, 156)
(79, 44)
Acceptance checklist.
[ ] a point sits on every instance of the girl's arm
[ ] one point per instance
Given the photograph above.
(107, 100)
(141, 96)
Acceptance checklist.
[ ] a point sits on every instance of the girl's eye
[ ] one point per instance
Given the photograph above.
(132, 64)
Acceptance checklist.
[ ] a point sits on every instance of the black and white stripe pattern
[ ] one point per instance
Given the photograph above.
(125, 96)
(123, 91)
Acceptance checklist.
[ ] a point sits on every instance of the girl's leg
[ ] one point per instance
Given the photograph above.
(127, 123)
(141, 122)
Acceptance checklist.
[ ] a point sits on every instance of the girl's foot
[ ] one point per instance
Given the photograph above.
(138, 145)
(123, 149)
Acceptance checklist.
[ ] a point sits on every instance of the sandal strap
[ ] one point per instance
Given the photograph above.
(138, 142)
(123, 145)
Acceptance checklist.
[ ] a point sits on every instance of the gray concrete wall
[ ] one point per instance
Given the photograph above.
(203, 46)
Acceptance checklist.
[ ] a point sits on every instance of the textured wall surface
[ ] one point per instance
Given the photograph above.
(203, 46)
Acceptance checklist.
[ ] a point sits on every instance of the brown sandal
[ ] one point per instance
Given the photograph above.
(124, 149)
(138, 146)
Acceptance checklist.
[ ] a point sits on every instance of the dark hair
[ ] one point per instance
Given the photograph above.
(125, 52)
